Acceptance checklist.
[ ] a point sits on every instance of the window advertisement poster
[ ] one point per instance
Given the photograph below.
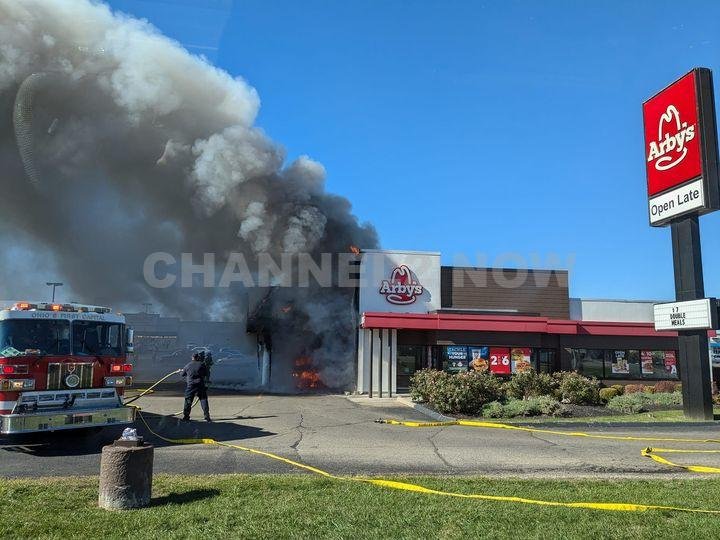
(715, 352)
(500, 361)
(457, 359)
(670, 363)
(479, 358)
(520, 358)
(646, 362)
(620, 363)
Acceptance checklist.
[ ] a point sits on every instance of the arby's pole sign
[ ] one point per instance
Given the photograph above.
(681, 149)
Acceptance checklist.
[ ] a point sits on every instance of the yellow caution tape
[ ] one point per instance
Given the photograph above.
(405, 486)
(497, 425)
(652, 453)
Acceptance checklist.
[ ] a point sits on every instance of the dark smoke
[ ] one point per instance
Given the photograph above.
(117, 143)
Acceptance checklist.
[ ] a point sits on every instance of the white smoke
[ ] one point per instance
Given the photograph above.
(117, 143)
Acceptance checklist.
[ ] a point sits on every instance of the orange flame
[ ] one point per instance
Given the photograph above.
(286, 309)
(307, 378)
(355, 250)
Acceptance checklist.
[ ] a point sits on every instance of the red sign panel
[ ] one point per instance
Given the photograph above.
(500, 360)
(672, 135)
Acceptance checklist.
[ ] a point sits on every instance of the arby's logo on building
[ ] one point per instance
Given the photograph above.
(672, 136)
(403, 286)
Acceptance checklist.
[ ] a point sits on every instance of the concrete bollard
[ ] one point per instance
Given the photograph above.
(126, 469)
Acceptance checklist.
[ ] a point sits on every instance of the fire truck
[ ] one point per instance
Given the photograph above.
(63, 366)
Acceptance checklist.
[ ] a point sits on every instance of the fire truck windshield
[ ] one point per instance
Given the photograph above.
(21, 336)
(97, 338)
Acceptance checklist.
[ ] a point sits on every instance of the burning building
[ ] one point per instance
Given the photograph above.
(118, 145)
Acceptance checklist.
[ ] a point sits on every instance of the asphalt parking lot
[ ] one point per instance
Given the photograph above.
(339, 435)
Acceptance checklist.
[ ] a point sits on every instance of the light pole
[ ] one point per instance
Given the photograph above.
(54, 285)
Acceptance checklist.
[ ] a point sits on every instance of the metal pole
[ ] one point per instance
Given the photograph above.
(380, 366)
(372, 343)
(53, 284)
(694, 353)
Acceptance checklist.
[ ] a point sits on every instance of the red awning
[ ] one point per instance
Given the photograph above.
(507, 323)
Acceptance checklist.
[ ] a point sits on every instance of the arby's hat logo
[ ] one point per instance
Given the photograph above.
(673, 135)
(673, 150)
(403, 286)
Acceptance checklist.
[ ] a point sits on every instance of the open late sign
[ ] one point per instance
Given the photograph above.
(681, 149)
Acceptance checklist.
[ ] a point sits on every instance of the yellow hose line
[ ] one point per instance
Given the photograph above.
(405, 486)
(497, 425)
(652, 453)
(150, 389)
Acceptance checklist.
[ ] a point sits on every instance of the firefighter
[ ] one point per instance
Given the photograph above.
(208, 365)
(194, 374)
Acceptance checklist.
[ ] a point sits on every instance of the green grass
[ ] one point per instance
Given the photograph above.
(654, 416)
(303, 506)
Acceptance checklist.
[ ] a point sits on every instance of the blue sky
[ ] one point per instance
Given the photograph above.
(510, 129)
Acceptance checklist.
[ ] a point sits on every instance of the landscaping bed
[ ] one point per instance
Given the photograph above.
(540, 395)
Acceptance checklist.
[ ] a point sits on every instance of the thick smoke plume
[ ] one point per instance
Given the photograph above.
(116, 143)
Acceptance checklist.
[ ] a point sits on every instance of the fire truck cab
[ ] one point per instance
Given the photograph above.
(62, 366)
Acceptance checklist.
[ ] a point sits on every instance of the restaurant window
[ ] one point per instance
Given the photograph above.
(623, 364)
(658, 364)
(409, 360)
(588, 362)
(545, 361)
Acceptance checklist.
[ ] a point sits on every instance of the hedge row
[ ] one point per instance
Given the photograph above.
(468, 393)
(476, 393)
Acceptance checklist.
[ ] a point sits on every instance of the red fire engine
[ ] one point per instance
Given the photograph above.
(62, 366)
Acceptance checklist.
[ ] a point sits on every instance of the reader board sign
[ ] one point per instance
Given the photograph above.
(690, 315)
(681, 149)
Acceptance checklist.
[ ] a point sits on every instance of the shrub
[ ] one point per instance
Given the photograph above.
(640, 401)
(620, 389)
(424, 382)
(631, 403)
(576, 389)
(665, 387)
(455, 393)
(634, 388)
(530, 384)
(606, 394)
(494, 409)
(533, 406)
(674, 398)
(649, 390)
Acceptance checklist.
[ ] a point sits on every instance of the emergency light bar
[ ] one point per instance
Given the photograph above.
(41, 306)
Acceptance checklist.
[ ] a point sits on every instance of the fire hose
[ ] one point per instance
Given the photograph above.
(149, 390)
(652, 453)
(406, 486)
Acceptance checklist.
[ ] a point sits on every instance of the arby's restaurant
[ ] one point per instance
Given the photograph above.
(415, 313)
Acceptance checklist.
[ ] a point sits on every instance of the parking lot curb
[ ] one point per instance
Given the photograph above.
(425, 410)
